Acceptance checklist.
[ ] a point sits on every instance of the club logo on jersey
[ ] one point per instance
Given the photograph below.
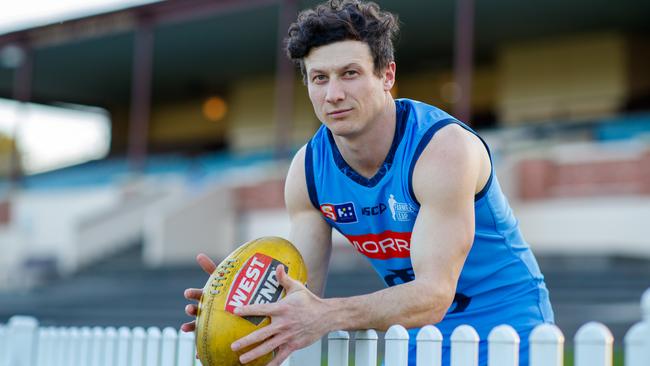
(255, 283)
(386, 245)
(401, 211)
(342, 213)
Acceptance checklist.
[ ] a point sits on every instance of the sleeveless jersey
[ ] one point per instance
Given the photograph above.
(500, 282)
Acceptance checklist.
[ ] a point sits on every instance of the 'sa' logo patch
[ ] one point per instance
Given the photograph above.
(343, 213)
(255, 283)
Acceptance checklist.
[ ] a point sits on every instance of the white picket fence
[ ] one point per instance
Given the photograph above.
(24, 343)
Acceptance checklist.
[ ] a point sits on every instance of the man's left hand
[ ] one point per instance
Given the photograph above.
(296, 322)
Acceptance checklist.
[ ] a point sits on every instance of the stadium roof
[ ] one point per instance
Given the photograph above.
(201, 45)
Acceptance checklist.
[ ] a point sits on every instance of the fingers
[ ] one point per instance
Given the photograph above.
(206, 263)
(193, 293)
(257, 309)
(255, 337)
(191, 309)
(261, 350)
(285, 280)
(282, 355)
(188, 327)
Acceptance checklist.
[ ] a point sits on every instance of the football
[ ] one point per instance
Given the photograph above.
(246, 276)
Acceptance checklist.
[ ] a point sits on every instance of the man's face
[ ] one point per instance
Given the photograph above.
(346, 93)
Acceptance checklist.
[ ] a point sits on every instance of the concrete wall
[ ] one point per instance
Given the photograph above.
(68, 229)
(184, 225)
(110, 230)
(588, 226)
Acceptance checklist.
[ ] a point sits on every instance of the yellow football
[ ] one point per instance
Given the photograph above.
(246, 276)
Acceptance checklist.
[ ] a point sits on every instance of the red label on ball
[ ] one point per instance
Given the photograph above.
(255, 283)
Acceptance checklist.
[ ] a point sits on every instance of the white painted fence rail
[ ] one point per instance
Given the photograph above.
(24, 343)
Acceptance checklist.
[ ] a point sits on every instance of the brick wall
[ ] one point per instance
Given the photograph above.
(545, 178)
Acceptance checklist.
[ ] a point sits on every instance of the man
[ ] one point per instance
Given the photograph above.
(449, 247)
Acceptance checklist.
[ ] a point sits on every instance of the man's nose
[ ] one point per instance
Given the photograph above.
(335, 92)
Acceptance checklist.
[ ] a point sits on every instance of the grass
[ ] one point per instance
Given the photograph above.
(569, 356)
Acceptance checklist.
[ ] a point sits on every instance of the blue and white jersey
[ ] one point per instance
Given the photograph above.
(500, 282)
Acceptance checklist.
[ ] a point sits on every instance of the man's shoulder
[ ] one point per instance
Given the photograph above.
(422, 107)
(420, 116)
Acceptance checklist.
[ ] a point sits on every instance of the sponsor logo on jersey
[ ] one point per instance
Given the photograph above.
(401, 211)
(374, 210)
(388, 244)
(399, 276)
(255, 283)
(343, 213)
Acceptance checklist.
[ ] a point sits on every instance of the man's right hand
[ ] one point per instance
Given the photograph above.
(194, 294)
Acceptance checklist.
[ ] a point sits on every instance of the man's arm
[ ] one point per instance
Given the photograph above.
(309, 231)
(450, 171)
(448, 174)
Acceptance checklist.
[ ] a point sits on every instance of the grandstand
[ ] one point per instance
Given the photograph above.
(561, 93)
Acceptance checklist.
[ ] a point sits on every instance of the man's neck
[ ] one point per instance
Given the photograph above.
(366, 152)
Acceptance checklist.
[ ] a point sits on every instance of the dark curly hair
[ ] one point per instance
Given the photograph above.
(339, 20)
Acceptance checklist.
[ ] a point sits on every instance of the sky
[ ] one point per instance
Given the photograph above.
(52, 137)
(23, 14)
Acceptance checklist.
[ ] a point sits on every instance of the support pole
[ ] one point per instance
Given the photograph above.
(22, 93)
(140, 95)
(284, 83)
(463, 58)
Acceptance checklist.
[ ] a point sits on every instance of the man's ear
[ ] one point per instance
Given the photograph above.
(389, 76)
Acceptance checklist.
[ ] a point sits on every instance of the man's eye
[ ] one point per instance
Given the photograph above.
(319, 78)
(351, 73)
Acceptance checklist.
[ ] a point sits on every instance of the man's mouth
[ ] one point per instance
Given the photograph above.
(339, 113)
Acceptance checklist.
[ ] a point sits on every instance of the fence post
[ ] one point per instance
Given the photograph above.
(365, 353)
(45, 347)
(429, 346)
(83, 350)
(397, 346)
(21, 345)
(503, 346)
(185, 355)
(168, 347)
(138, 339)
(3, 344)
(62, 357)
(464, 346)
(110, 346)
(57, 347)
(97, 346)
(636, 352)
(338, 348)
(546, 346)
(123, 346)
(645, 311)
(52, 353)
(593, 342)
(73, 346)
(152, 346)
(310, 355)
(637, 339)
